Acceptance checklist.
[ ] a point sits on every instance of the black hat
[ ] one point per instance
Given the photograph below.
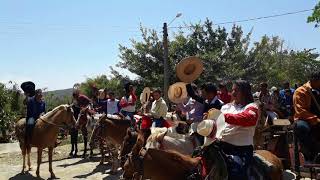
(28, 87)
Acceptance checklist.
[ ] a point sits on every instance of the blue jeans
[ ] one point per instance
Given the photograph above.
(157, 122)
(308, 137)
(130, 114)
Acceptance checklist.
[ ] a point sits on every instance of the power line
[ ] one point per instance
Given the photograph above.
(252, 19)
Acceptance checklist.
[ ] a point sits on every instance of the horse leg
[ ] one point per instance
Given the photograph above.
(102, 152)
(29, 162)
(39, 161)
(85, 141)
(23, 150)
(115, 161)
(50, 151)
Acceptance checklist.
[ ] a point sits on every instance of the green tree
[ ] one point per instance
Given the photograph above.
(226, 56)
(315, 17)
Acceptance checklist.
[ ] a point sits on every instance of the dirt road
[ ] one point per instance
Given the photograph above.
(63, 167)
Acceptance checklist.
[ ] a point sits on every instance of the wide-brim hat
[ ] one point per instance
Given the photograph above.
(29, 87)
(218, 117)
(145, 95)
(189, 69)
(177, 92)
(208, 129)
(102, 94)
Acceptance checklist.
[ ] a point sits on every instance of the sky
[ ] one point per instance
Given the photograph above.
(59, 43)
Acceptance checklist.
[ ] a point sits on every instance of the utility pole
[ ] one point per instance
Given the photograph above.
(165, 63)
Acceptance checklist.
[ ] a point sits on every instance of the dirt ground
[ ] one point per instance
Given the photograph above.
(63, 166)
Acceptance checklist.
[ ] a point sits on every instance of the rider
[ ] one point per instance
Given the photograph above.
(209, 96)
(35, 108)
(236, 140)
(158, 110)
(306, 100)
(112, 104)
(128, 102)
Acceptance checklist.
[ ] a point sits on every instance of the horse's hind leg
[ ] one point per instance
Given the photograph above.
(23, 151)
(50, 151)
(29, 161)
(85, 141)
(39, 161)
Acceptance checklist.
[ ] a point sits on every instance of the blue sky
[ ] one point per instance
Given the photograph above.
(58, 43)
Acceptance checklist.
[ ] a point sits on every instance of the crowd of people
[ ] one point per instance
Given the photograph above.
(239, 106)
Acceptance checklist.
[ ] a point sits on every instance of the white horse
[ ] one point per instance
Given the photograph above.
(169, 139)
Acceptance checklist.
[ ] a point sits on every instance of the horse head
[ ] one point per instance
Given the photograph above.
(129, 141)
(82, 119)
(69, 119)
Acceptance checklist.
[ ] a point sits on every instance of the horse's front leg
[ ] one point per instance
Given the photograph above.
(85, 141)
(39, 161)
(115, 160)
(101, 151)
(50, 152)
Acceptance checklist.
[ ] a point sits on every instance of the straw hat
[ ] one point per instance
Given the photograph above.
(177, 92)
(208, 129)
(189, 69)
(145, 95)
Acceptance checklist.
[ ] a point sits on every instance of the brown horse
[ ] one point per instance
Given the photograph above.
(162, 164)
(156, 164)
(110, 134)
(44, 134)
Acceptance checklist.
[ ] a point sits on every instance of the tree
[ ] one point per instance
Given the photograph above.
(8, 109)
(226, 56)
(315, 17)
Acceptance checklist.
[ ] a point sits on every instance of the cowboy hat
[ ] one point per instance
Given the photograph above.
(145, 95)
(102, 94)
(189, 69)
(177, 92)
(208, 129)
(218, 117)
(28, 87)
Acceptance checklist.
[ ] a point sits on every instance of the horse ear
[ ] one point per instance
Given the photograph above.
(68, 108)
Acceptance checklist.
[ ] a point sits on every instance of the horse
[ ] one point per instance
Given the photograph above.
(110, 134)
(44, 134)
(265, 165)
(85, 123)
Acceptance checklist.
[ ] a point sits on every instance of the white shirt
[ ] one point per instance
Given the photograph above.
(112, 106)
(236, 134)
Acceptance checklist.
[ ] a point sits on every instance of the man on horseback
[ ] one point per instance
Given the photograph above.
(158, 110)
(35, 108)
(306, 100)
(209, 96)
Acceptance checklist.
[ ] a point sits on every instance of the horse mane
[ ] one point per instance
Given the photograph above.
(184, 161)
(53, 111)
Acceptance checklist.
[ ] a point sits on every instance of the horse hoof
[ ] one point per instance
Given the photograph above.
(53, 176)
(30, 169)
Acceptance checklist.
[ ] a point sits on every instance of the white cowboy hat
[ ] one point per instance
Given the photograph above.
(102, 94)
(208, 129)
(177, 92)
(218, 117)
(145, 95)
(189, 69)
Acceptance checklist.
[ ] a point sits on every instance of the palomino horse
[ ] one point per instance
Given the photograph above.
(44, 134)
(85, 123)
(110, 133)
